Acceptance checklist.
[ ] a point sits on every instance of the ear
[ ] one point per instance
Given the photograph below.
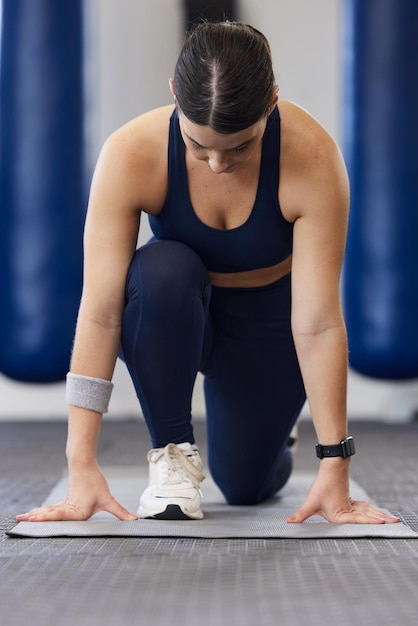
(171, 83)
(273, 100)
(274, 97)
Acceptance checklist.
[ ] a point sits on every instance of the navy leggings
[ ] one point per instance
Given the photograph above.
(175, 324)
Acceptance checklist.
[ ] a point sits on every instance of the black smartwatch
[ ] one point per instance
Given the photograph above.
(345, 448)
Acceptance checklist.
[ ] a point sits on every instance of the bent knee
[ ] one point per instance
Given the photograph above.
(242, 493)
(240, 498)
(169, 257)
(169, 266)
(248, 489)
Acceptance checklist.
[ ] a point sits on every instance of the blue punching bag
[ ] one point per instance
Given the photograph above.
(380, 284)
(42, 196)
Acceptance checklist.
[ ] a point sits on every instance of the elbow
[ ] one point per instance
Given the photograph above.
(310, 328)
(105, 317)
(107, 322)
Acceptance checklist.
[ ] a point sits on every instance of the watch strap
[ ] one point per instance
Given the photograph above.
(344, 449)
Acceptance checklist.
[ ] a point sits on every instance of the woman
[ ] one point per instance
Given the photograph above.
(241, 282)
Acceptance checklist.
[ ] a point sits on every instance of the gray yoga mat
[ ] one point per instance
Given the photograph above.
(267, 520)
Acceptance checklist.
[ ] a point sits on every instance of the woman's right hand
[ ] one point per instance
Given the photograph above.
(88, 494)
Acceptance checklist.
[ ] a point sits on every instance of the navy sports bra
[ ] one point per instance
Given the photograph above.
(263, 240)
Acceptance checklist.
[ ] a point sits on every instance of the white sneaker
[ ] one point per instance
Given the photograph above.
(174, 483)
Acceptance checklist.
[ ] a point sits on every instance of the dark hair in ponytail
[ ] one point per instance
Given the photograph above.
(224, 76)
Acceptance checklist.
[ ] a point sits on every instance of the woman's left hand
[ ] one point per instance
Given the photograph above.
(329, 497)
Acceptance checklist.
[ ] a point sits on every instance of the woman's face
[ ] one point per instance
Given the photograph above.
(223, 153)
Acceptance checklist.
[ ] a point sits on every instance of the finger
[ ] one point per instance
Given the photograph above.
(63, 511)
(360, 513)
(64, 514)
(57, 515)
(392, 519)
(66, 511)
(43, 510)
(387, 519)
(369, 509)
(357, 518)
(120, 512)
(366, 515)
(22, 517)
(300, 516)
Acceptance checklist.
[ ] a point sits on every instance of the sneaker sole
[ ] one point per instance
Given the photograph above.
(172, 512)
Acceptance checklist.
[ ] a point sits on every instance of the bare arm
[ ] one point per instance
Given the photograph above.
(110, 237)
(128, 178)
(317, 322)
(123, 183)
(316, 195)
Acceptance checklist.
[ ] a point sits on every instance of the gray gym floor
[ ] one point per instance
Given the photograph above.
(121, 581)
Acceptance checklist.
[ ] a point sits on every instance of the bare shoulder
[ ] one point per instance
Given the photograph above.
(134, 158)
(142, 137)
(302, 135)
(310, 161)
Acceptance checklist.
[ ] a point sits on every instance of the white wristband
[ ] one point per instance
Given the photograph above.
(88, 393)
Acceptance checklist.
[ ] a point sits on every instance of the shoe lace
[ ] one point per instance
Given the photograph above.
(176, 465)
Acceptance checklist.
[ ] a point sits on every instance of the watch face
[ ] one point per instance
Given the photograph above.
(348, 446)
